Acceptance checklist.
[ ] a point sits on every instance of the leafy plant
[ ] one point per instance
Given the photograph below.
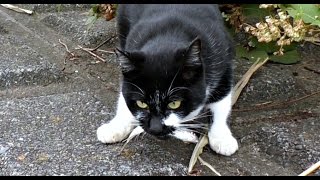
(277, 29)
(273, 30)
(107, 11)
(94, 14)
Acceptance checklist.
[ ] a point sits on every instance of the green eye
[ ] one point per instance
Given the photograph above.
(174, 104)
(142, 105)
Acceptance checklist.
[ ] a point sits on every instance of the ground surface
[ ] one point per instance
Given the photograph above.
(49, 110)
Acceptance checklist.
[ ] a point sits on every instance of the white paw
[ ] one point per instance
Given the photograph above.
(225, 145)
(112, 133)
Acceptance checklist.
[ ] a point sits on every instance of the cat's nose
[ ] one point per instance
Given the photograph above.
(155, 126)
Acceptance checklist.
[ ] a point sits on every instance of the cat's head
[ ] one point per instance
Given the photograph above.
(165, 87)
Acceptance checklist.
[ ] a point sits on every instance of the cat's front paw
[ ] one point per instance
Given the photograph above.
(225, 145)
(110, 133)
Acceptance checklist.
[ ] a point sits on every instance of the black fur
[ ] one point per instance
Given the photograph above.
(179, 45)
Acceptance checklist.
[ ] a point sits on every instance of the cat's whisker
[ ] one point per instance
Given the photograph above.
(135, 86)
(194, 118)
(194, 124)
(136, 93)
(177, 89)
(196, 127)
(169, 89)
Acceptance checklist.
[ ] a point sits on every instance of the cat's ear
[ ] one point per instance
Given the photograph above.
(193, 55)
(129, 60)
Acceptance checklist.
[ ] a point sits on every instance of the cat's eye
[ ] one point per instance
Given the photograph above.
(142, 105)
(174, 104)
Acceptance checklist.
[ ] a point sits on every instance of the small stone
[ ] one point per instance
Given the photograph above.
(299, 147)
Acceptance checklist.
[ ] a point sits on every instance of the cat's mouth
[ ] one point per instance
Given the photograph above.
(186, 136)
(163, 135)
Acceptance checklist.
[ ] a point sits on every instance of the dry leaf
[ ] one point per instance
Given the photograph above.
(21, 157)
(138, 130)
(209, 166)
(245, 79)
(43, 157)
(108, 11)
(197, 151)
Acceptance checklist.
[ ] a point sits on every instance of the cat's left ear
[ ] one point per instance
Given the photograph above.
(129, 60)
(193, 55)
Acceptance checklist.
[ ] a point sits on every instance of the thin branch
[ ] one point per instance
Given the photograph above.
(261, 107)
(101, 44)
(17, 9)
(93, 54)
(100, 50)
(67, 49)
(312, 70)
(310, 169)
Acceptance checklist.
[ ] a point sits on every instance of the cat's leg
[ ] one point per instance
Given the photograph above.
(220, 136)
(120, 126)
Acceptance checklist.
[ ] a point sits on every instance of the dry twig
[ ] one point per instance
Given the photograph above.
(244, 80)
(197, 151)
(101, 44)
(17, 9)
(67, 49)
(93, 54)
(100, 50)
(261, 107)
(208, 165)
(310, 169)
(312, 70)
(138, 130)
(237, 90)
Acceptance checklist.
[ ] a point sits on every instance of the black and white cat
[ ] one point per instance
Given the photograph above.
(176, 62)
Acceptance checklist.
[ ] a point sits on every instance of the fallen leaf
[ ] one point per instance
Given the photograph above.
(21, 157)
(197, 151)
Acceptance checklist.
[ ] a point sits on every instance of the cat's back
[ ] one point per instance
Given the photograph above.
(147, 20)
(136, 12)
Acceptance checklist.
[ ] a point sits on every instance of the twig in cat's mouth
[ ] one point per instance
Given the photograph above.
(138, 130)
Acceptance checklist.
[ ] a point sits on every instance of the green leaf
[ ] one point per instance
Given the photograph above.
(59, 7)
(251, 55)
(309, 13)
(253, 11)
(267, 47)
(90, 21)
(289, 57)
